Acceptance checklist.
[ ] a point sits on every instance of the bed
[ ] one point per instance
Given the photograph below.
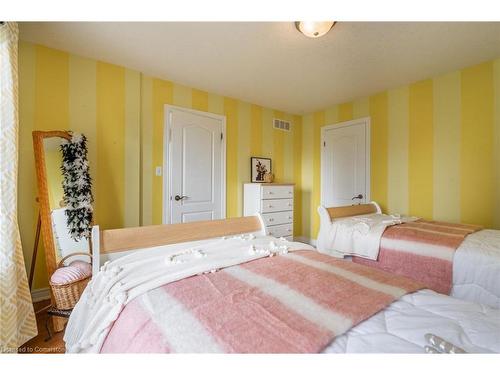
(456, 259)
(224, 286)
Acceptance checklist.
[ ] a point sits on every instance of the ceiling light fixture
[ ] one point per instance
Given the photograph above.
(314, 29)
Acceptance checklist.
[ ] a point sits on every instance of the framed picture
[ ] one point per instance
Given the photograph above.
(259, 167)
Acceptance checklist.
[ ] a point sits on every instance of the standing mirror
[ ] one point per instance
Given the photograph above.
(58, 242)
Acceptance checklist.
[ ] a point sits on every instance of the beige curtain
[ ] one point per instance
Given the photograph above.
(17, 318)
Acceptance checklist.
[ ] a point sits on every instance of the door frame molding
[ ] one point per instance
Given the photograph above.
(344, 124)
(167, 171)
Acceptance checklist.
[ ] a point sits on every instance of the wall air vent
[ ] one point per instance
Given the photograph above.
(282, 124)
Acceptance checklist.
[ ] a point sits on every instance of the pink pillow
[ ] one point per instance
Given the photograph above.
(68, 274)
(82, 266)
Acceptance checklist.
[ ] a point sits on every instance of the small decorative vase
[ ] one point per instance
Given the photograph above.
(268, 177)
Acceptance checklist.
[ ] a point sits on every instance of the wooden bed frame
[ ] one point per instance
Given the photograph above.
(327, 214)
(353, 210)
(114, 241)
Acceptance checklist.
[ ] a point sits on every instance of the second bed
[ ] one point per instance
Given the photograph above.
(456, 259)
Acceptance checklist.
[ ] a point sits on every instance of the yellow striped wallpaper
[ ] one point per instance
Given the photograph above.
(121, 113)
(435, 148)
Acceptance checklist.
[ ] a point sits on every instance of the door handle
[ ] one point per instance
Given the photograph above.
(359, 196)
(179, 198)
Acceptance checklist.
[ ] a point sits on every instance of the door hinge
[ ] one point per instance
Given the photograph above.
(221, 136)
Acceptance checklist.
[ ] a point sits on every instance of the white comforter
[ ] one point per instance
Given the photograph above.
(476, 268)
(401, 327)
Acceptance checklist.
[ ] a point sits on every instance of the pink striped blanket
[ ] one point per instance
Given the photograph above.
(294, 303)
(421, 250)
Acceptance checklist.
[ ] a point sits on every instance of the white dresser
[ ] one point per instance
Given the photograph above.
(275, 203)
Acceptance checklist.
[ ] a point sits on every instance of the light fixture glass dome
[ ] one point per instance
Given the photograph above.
(314, 29)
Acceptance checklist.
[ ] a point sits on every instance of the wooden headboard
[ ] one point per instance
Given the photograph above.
(115, 240)
(359, 209)
(126, 239)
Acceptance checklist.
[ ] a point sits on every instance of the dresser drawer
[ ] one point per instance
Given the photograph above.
(284, 230)
(274, 205)
(277, 218)
(277, 192)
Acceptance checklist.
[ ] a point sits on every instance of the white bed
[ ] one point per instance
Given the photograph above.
(399, 327)
(476, 262)
(476, 268)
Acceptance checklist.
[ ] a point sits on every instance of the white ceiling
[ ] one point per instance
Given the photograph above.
(271, 63)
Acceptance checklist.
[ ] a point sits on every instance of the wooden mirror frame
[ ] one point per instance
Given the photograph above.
(43, 194)
(44, 206)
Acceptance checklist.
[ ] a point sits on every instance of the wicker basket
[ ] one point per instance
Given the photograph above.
(67, 295)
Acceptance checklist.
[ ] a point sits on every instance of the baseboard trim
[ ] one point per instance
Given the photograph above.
(41, 294)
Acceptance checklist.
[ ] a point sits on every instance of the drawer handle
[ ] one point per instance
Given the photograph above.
(271, 219)
(290, 217)
(270, 192)
(289, 205)
(269, 206)
(271, 233)
(288, 230)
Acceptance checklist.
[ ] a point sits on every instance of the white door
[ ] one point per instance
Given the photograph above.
(345, 164)
(196, 166)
